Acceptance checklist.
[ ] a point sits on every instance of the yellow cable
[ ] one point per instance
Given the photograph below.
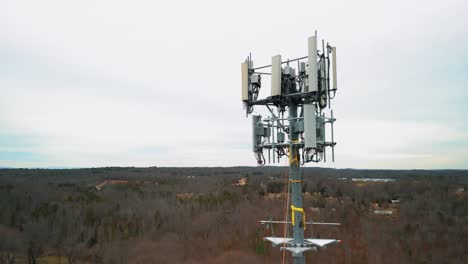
(300, 210)
(291, 160)
(295, 181)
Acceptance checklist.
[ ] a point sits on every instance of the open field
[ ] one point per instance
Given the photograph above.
(210, 215)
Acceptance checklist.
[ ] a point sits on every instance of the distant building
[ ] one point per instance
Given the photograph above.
(368, 179)
(395, 202)
(373, 179)
(383, 212)
(241, 182)
(187, 196)
(274, 196)
(315, 209)
(105, 182)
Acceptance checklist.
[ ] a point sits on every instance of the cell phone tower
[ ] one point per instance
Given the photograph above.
(304, 97)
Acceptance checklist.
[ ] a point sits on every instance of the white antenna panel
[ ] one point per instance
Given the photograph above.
(245, 81)
(310, 126)
(312, 68)
(334, 68)
(276, 75)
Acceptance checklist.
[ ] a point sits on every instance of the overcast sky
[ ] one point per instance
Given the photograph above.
(157, 83)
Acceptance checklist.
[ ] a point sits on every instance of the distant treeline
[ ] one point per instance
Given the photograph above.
(198, 215)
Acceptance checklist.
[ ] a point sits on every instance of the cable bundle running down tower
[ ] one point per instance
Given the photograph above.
(304, 97)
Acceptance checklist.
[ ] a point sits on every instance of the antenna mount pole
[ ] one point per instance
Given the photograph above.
(296, 183)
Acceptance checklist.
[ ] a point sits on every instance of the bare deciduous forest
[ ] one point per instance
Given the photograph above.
(210, 215)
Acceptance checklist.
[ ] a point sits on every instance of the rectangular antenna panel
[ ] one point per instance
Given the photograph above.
(256, 139)
(334, 67)
(310, 126)
(245, 81)
(276, 75)
(320, 129)
(312, 68)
